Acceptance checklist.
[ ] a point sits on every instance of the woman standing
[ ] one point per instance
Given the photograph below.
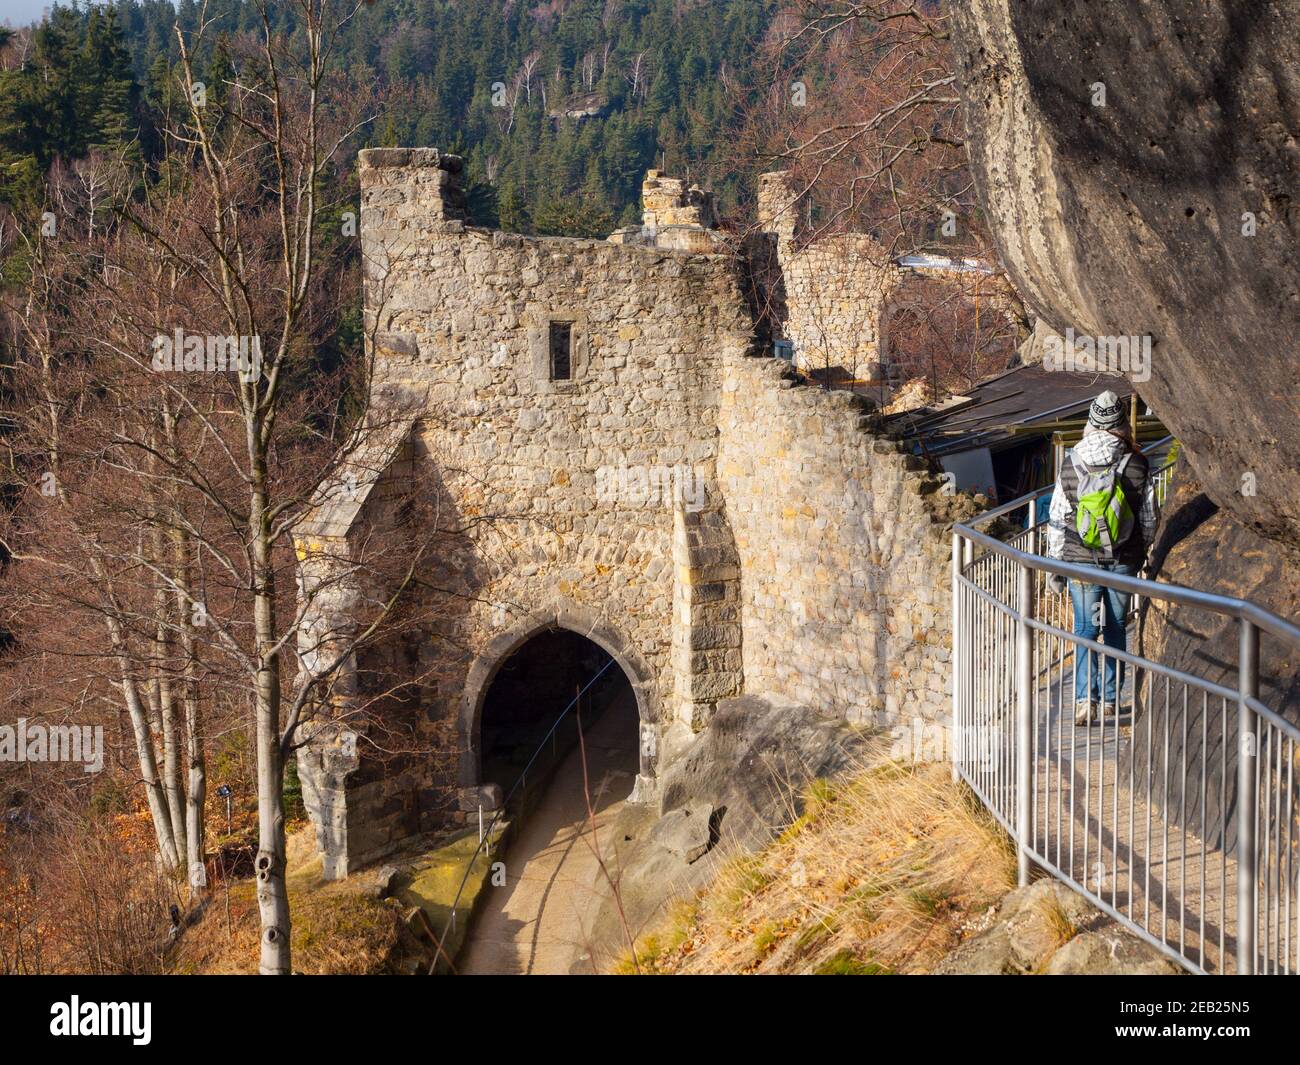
(1103, 514)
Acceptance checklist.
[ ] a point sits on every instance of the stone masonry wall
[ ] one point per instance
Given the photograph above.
(834, 292)
(844, 546)
(834, 289)
(840, 291)
(718, 528)
(566, 489)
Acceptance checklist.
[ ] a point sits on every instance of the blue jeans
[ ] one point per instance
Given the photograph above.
(1089, 685)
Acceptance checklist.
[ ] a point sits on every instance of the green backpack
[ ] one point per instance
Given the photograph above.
(1103, 517)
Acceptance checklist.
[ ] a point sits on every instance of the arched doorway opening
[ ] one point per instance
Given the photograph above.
(530, 691)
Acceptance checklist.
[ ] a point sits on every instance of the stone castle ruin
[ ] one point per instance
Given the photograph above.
(656, 483)
(839, 297)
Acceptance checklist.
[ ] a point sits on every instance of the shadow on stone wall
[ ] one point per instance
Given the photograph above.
(408, 684)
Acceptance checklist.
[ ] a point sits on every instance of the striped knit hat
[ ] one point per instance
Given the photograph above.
(1106, 412)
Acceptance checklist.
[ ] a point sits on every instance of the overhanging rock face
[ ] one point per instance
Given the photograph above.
(1138, 163)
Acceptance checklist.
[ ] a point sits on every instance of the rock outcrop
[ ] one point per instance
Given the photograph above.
(1047, 929)
(1138, 166)
(724, 791)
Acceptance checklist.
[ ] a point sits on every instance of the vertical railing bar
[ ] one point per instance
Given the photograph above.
(1114, 848)
(1033, 713)
(973, 656)
(1261, 822)
(957, 637)
(1164, 819)
(1182, 835)
(976, 688)
(995, 665)
(1007, 646)
(1060, 749)
(987, 666)
(1014, 681)
(1261, 941)
(1087, 758)
(992, 773)
(968, 696)
(1266, 882)
(972, 708)
(978, 665)
(995, 705)
(1290, 847)
(1146, 888)
(1248, 688)
(1024, 732)
(1067, 693)
(1205, 851)
(1009, 684)
(995, 710)
(967, 552)
(1132, 758)
(1276, 787)
(996, 680)
(1103, 763)
(1275, 798)
(1223, 837)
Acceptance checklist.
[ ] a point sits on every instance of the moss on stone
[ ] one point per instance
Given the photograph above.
(431, 884)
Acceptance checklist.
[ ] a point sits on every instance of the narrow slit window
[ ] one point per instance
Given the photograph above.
(561, 351)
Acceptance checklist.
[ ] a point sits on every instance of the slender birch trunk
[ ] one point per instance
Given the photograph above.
(185, 602)
(195, 759)
(196, 796)
(153, 789)
(168, 711)
(272, 892)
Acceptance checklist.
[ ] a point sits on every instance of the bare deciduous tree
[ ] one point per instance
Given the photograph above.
(189, 429)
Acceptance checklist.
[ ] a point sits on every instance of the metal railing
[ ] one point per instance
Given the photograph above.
(1176, 811)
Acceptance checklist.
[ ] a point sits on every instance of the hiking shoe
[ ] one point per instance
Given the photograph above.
(1083, 713)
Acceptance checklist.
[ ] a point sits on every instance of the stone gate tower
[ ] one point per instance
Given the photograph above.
(610, 458)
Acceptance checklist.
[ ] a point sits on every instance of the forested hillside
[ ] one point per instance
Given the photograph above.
(560, 106)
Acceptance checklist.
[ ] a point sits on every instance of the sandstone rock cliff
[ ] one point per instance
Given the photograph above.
(1137, 162)
(1166, 206)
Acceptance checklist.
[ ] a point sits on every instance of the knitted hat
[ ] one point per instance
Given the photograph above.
(1106, 412)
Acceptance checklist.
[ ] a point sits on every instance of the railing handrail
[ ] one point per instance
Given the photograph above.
(1231, 606)
(998, 684)
(1240, 609)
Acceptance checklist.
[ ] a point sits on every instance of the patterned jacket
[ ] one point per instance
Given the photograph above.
(1098, 449)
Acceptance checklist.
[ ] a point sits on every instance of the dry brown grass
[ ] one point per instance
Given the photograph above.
(339, 927)
(877, 876)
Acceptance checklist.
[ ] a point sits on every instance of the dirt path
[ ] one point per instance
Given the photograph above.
(536, 923)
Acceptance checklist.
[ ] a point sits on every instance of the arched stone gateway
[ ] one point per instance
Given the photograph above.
(571, 619)
(595, 448)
